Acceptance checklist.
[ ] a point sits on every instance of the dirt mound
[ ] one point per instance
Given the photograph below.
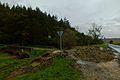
(92, 53)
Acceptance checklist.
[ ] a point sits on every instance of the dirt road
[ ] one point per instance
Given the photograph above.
(99, 71)
(102, 66)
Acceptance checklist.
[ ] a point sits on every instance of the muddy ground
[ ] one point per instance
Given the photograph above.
(96, 63)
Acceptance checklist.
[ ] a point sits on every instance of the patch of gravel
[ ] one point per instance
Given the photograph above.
(99, 71)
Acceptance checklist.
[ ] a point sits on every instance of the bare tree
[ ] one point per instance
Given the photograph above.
(95, 31)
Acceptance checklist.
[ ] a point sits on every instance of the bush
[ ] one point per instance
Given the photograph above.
(111, 41)
(69, 39)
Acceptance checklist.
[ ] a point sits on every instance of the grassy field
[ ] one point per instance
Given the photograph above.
(104, 45)
(60, 69)
(116, 43)
(9, 63)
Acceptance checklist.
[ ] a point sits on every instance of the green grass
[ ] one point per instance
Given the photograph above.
(7, 65)
(4, 54)
(116, 43)
(61, 69)
(38, 52)
(4, 60)
(104, 45)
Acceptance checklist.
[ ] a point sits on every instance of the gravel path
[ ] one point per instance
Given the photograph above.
(109, 69)
(100, 71)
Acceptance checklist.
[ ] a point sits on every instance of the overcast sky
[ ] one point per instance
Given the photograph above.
(81, 12)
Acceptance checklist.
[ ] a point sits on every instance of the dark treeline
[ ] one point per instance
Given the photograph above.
(19, 24)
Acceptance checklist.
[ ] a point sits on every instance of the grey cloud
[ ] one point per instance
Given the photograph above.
(81, 12)
(11, 2)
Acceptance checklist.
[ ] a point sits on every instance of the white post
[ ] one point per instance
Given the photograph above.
(60, 43)
(60, 34)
